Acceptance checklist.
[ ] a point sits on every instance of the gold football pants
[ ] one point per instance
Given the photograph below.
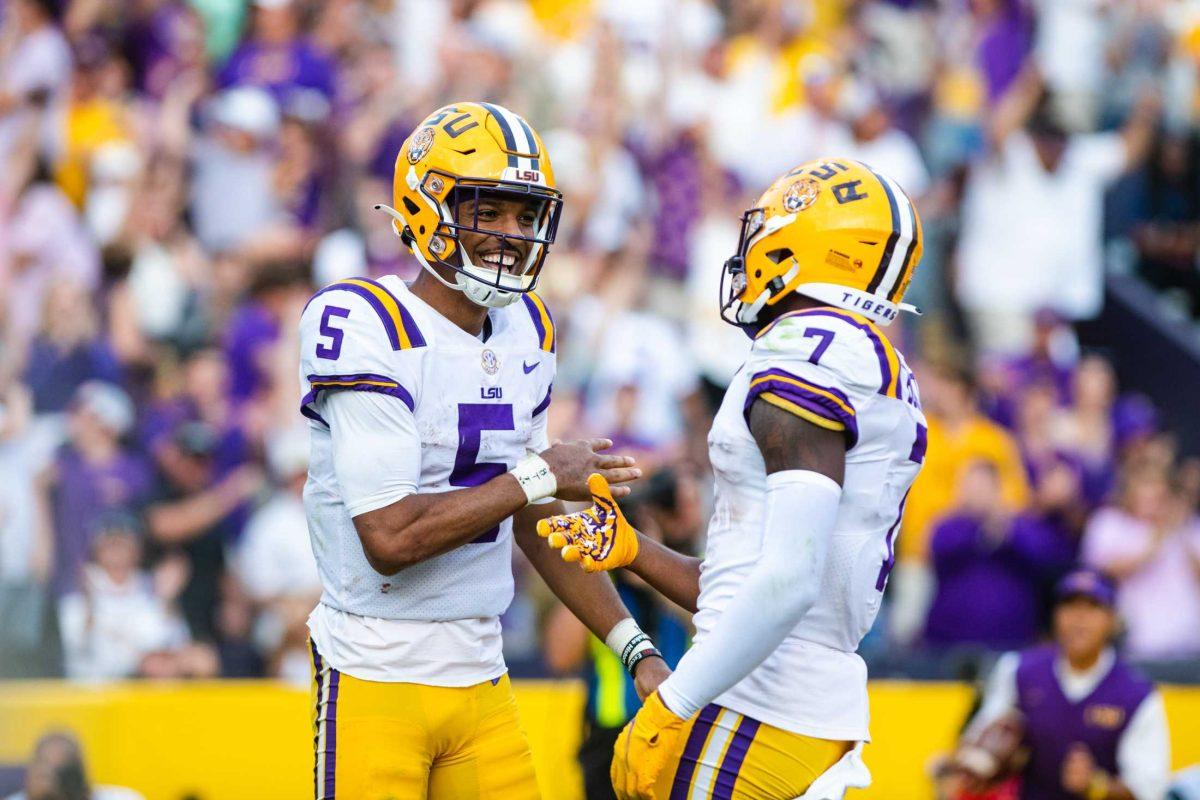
(407, 741)
(727, 756)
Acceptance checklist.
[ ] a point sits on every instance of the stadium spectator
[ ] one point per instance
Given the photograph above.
(190, 514)
(1088, 724)
(68, 351)
(1085, 428)
(958, 435)
(276, 56)
(992, 568)
(27, 633)
(121, 614)
(1049, 185)
(94, 472)
(274, 561)
(1149, 542)
(56, 771)
(35, 70)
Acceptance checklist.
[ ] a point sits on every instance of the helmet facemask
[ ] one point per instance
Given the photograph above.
(735, 309)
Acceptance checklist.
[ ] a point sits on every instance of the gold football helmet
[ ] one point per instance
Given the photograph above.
(834, 230)
(464, 152)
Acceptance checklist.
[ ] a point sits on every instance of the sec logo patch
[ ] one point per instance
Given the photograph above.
(491, 364)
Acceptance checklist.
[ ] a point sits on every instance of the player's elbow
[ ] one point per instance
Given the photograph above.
(388, 548)
(790, 593)
(391, 557)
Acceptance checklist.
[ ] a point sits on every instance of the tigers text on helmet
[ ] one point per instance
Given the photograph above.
(834, 230)
(467, 153)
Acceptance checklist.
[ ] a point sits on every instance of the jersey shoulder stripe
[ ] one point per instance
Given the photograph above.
(543, 323)
(824, 406)
(398, 323)
(885, 353)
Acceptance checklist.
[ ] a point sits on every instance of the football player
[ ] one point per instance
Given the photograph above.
(814, 448)
(427, 406)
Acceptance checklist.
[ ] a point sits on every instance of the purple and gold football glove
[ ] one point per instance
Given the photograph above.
(599, 538)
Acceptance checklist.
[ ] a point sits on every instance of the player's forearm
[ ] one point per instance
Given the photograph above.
(673, 575)
(420, 526)
(592, 598)
(775, 596)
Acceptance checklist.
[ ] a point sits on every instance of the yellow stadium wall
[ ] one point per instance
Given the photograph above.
(237, 740)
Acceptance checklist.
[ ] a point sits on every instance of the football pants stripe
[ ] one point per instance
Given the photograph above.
(691, 751)
(318, 731)
(734, 758)
(714, 754)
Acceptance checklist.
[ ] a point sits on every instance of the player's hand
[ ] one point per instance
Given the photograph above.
(648, 674)
(1078, 769)
(643, 749)
(599, 537)
(573, 462)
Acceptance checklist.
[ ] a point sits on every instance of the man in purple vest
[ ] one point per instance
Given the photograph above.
(1091, 727)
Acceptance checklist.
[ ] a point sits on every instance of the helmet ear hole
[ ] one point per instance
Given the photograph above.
(411, 207)
(780, 255)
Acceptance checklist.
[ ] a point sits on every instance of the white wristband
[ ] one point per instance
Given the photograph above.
(627, 639)
(535, 477)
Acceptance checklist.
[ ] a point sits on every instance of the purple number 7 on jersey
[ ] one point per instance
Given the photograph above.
(335, 334)
(473, 420)
(826, 338)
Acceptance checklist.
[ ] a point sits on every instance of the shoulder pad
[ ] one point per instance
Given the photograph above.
(841, 341)
(398, 324)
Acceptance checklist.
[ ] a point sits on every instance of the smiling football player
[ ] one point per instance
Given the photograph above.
(429, 456)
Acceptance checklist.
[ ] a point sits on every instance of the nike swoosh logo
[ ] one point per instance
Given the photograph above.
(530, 367)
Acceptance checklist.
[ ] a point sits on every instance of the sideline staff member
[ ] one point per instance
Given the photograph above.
(1092, 727)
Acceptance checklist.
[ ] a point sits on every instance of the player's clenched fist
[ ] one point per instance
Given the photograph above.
(599, 538)
(573, 462)
(643, 749)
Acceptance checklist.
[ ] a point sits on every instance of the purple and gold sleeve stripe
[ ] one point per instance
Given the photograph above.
(543, 323)
(823, 406)
(364, 382)
(889, 362)
(398, 323)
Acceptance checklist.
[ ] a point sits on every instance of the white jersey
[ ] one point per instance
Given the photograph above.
(834, 368)
(475, 406)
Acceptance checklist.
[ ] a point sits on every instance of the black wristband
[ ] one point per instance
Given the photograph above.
(638, 656)
(630, 646)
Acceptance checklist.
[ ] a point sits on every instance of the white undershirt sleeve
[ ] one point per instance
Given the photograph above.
(802, 508)
(1144, 751)
(376, 448)
(999, 696)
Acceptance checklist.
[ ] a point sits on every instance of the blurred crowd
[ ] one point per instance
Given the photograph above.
(178, 176)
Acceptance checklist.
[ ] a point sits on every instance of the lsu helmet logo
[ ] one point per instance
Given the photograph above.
(421, 142)
(834, 230)
(801, 194)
